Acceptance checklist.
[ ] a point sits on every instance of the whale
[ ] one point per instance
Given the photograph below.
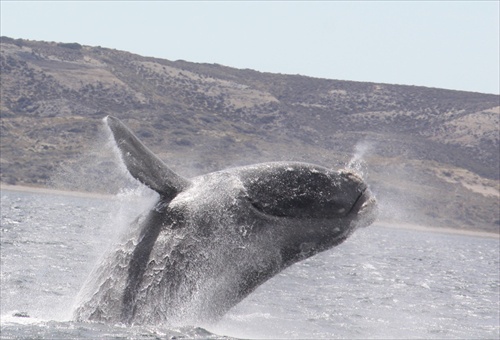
(210, 241)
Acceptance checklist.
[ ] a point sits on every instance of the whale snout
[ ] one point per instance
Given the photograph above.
(346, 190)
(357, 188)
(366, 202)
(302, 191)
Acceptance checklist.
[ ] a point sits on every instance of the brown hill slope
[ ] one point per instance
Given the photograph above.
(432, 155)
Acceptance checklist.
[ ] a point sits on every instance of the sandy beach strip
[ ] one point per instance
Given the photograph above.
(441, 230)
(49, 191)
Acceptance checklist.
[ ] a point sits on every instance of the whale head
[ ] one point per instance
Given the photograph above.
(314, 207)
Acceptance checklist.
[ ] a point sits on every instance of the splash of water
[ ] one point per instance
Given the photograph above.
(97, 169)
(357, 163)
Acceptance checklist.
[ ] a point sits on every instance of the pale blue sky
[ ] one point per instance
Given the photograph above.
(447, 44)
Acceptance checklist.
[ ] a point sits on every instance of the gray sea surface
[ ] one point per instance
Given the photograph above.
(381, 283)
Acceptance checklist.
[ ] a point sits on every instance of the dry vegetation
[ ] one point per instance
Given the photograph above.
(434, 154)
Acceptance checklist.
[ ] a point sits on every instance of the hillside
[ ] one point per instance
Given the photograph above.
(431, 155)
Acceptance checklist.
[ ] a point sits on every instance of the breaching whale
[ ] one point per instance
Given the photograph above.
(211, 240)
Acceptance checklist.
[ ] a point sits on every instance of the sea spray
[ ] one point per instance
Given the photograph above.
(357, 163)
(129, 201)
(393, 203)
(127, 208)
(97, 168)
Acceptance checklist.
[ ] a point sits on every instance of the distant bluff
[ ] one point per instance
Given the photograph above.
(422, 143)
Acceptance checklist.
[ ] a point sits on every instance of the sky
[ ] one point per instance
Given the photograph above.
(443, 44)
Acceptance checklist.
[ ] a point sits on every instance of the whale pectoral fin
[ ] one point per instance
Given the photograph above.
(142, 164)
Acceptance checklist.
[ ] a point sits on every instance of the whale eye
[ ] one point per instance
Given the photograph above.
(302, 191)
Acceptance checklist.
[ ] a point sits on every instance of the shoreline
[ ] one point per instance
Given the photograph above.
(439, 230)
(381, 224)
(49, 191)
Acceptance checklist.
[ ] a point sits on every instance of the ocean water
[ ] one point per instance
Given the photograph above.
(380, 283)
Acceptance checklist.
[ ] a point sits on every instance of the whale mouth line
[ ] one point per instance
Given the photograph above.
(360, 201)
